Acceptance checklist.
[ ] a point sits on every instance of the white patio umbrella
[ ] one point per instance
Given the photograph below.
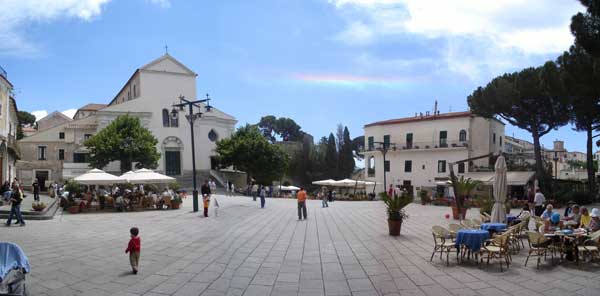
(146, 176)
(499, 211)
(97, 177)
(328, 182)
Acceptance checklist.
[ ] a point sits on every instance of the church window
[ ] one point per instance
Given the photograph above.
(165, 118)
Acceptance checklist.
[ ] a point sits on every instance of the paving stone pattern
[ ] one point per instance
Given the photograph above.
(340, 250)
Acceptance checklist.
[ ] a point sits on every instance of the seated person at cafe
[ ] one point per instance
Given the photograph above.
(569, 208)
(524, 214)
(595, 221)
(553, 224)
(574, 215)
(548, 212)
(585, 219)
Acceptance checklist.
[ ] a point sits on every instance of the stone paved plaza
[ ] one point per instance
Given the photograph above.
(340, 250)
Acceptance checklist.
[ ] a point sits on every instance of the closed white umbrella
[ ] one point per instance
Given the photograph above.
(499, 211)
(288, 188)
(97, 177)
(146, 176)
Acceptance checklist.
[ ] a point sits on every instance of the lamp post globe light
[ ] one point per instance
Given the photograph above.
(191, 117)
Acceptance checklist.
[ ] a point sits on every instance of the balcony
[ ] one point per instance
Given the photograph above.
(431, 145)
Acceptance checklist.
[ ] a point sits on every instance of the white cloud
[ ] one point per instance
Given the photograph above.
(39, 114)
(161, 3)
(479, 36)
(16, 14)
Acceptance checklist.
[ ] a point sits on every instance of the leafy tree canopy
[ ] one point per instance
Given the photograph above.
(248, 150)
(532, 99)
(585, 26)
(125, 140)
(286, 128)
(26, 118)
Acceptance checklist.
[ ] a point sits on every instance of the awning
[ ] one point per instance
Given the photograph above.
(513, 178)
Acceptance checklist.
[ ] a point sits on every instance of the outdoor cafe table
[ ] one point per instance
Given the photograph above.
(472, 239)
(493, 227)
(510, 218)
(567, 240)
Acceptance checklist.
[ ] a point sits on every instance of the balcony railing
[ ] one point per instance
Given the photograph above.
(428, 145)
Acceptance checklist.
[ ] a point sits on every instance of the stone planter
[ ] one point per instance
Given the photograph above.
(175, 205)
(455, 214)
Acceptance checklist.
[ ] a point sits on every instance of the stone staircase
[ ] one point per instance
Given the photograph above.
(186, 180)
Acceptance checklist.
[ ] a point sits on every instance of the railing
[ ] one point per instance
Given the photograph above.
(427, 145)
(3, 73)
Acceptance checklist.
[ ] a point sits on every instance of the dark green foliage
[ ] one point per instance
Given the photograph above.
(580, 74)
(586, 27)
(284, 127)
(25, 119)
(331, 157)
(125, 140)
(532, 99)
(346, 157)
(248, 150)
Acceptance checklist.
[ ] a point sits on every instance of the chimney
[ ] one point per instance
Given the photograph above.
(435, 108)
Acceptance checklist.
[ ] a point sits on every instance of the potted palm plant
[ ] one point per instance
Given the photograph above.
(464, 188)
(395, 210)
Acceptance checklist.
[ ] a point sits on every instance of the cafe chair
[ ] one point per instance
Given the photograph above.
(538, 246)
(454, 228)
(589, 246)
(496, 248)
(442, 239)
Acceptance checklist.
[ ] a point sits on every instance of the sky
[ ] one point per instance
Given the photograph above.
(319, 62)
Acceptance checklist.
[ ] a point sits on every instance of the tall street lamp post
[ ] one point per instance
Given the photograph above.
(384, 147)
(191, 117)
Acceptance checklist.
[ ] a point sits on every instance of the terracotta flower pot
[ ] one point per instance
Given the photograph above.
(455, 215)
(175, 205)
(394, 227)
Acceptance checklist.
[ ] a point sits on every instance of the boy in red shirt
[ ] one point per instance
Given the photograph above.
(133, 248)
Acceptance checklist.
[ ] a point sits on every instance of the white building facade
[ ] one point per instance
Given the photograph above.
(426, 145)
(8, 129)
(148, 95)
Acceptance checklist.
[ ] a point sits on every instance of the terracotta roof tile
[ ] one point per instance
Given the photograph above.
(421, 118)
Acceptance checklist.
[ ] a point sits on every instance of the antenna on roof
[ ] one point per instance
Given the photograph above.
(166, 49)
(435, 108)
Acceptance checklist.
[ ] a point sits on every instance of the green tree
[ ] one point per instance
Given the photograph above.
(125, 140)
(358, 145)
(586, 27)
(346, 157)
(268, 125)
(248, 150)
(580, 74)
(286, 128)
(25, 119)
(331, 158)
(532, 99)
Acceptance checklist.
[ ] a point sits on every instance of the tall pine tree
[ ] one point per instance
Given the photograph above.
(331, 158)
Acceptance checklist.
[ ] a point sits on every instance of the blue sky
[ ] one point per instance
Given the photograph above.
(320, 62)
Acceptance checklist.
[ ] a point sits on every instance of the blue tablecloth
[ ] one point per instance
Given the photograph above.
(493, 226)
(510, 218)
(471, 238)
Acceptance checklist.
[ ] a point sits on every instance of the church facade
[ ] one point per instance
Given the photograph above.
(57, 153)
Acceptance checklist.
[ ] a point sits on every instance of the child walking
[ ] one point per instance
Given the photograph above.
(133, 248)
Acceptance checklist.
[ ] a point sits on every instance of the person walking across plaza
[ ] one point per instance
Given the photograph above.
(133, 248)
(205, 191)
(301, 196)
(16, 197)
(254, 191)
(263, 194)
(36, 190)
(539, 201)
(323, 195)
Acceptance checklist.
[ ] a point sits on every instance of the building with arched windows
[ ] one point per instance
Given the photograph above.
(148, 94)
(422, 147)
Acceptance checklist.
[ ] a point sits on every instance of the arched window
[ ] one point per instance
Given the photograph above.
(175, 120)
(165, 118)
(371, 167)
(462, 136)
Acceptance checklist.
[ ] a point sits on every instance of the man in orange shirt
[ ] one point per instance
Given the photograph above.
(301, 203)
